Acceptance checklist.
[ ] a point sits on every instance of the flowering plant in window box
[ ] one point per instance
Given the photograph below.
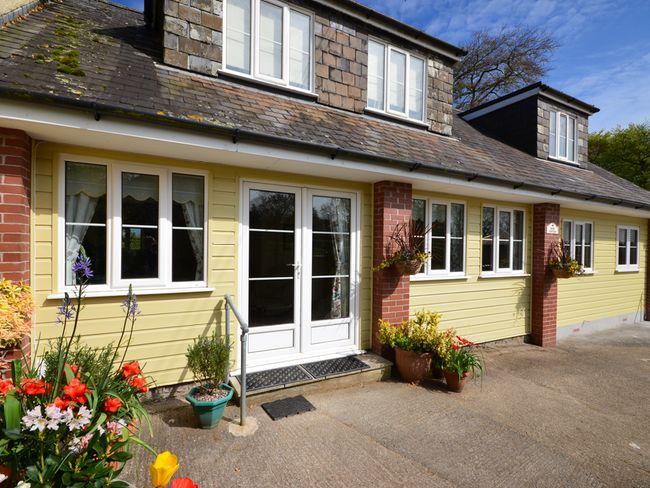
(406, 249)
(71, 417)
(561, 262)
(461, 361)
(15, 314)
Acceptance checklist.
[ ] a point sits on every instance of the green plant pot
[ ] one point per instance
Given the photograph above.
(209, 413)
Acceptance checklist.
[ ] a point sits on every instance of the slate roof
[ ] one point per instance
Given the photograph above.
(100, 56)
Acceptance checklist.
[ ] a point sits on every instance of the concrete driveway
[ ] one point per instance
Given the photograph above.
(575, 415)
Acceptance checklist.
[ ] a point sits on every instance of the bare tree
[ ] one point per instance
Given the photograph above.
(497, 64)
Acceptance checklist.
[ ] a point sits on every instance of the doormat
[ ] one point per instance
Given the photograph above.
(287, 407)
(275, 377)
(330, 367)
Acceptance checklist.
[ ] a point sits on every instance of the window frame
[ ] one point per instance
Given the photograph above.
(388, 48)
(558, 116)
(427, 271)
(255, 41)
(496, 270)
(627, 267)
(114, 281)
(572, 241)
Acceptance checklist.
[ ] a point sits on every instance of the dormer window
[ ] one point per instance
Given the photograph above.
(396, 81)
(269, 41)
(562, 137)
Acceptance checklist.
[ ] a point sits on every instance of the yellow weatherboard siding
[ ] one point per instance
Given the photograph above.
(169, 322)
(606, 293)
(482, 309)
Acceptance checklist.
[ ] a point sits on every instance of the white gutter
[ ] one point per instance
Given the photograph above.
(79, 128)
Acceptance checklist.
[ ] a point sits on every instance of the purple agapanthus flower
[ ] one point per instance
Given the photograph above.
(82, 267)
(65, 311)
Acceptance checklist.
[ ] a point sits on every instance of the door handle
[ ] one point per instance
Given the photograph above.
(296, 268)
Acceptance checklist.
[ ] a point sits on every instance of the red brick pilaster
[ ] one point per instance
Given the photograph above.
(646, 298)
(544, 302)
(15, 193)
(393, 204)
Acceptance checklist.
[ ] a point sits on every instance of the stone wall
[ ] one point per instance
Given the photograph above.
(544, 108)
(440, 86)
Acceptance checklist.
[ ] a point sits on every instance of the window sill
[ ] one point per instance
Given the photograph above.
(563, 161)
(622, 271)
(138, 292)
(426, 277)
(251, 79)
(490, 276)
(381, 113)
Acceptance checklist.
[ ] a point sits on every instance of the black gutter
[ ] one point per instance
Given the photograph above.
(238, 134)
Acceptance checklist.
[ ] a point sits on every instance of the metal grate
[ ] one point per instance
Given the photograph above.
(275, 377)
(329, 367)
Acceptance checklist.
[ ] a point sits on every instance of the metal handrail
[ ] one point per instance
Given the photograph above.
(243, 325)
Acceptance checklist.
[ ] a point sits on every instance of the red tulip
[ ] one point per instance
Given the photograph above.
(112, 404)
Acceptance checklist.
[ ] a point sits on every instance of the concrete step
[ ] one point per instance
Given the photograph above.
(378, 370)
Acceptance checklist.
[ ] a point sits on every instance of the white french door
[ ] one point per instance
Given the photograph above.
(299, 262)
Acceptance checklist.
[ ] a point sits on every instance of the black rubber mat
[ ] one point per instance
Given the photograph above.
(275, 377)
(329, 367)
(287, 407)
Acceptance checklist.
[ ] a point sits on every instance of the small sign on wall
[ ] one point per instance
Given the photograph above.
(552, 228)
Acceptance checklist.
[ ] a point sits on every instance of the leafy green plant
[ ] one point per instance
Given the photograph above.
(561, 259)
(208, 358)
(15, 312)
(406, 245)
(463, 359)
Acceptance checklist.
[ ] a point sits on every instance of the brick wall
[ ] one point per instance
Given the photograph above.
(544, 283)
(393, 204)
(15, 183)
(544, 126)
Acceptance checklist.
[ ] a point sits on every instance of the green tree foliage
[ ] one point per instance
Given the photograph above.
(624, 151)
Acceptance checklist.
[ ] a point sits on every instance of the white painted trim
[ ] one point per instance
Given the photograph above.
(299, 359)
(505, 272)
(627, 267)
(501, 104)
(564, 159)
(69, 126)
(572, 242)
(139, 291)
(450, 277)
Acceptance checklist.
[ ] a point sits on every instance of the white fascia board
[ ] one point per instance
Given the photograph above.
(79, 128)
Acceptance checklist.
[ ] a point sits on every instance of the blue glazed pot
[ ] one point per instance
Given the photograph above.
(209, 413)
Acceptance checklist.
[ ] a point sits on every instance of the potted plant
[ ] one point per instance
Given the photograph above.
(15, 315)
(406, 249)
(461, 361)
(415, 342)
(561, 262)
(208, 358)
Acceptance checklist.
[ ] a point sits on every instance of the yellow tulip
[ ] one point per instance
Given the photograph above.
(163, 468)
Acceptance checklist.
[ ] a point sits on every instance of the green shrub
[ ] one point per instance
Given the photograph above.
(209, 359)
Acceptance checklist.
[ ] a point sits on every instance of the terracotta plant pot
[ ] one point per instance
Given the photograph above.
(409, 267)
(453, 382)
(562, 273)
(7, 472)
(413, 367)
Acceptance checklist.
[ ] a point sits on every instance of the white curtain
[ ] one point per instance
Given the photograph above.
(80, 208)
(339, 221)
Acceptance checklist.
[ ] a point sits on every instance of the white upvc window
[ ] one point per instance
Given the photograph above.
(627, 248)
(139, 224)
(396, 81)
(578, 240)
(445, 238)
(503, 240)
(269, 41)
(562, 137)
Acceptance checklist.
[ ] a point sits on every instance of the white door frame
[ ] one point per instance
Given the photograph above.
(273, 360)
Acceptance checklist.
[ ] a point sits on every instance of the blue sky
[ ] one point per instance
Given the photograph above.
(604, 57)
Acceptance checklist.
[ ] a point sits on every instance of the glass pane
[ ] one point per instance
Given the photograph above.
(270, 302)
(187, 255)
(567, 227)
(139, 199)
(187, 200)
(504, 225)
(553, 135)
(330, 254)
(375, 75)
(438, 254)
(416, 89)
(634, 237)
(438, 220)
(272, 210)
(588, 256)
(331, 214)
(92, 240)
(238, 35)
(488, 222)
(518, 228)
(456, 255)
(563, 127)
(419, 222)
(85, 193)
(622, 259)
(518, 256)
(504, 254)
(487, 256)
(457, 220)
(588, 233)
(299, 50)
(579, 234)
(270, 59)
(570, 136)
(634, 255)
(634, 243)
(139, 253)
(330, 298)
(270, 254)
(397, 81)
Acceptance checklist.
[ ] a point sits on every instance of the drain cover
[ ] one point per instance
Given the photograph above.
(287, 407)
(321, 369)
